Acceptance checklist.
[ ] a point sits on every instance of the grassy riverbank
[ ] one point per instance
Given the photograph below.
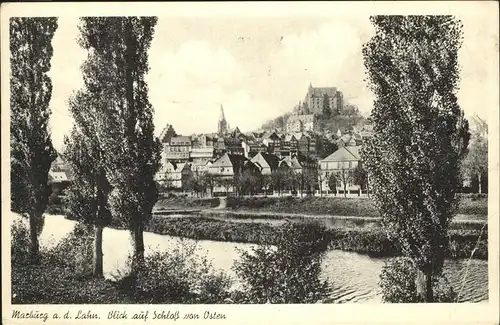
(48, 283)
(183, 202)
(475, 206)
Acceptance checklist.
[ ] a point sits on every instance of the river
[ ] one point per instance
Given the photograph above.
(354, 276)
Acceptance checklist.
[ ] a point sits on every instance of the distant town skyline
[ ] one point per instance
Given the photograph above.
(258, 69)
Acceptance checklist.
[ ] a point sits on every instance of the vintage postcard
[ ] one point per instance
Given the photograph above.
(247, 163)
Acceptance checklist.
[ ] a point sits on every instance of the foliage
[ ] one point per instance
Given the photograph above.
(288, 272)
(397, 281)
(31, 149)
(167, 134)
(56, 284)
(179, 275)
(132, 152)
(283, 179)
(332, 182)
(476, 162)
(19, 243)
(325, 147)
(276, 123)
(61, 278)
(87, 195)
(334, 206)
(420, 133)
(74, 250)
(249, 183)
(345, 176)
(359, 176)
(306, 180)
(326, 110)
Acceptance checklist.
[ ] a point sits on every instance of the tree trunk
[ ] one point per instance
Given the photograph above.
(138, 242)
(423, 283)
(34, 247)
(97, 263)
(479, 182)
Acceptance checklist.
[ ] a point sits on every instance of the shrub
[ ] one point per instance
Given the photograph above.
(75, 250)
(287, 272)
(177, 276)
(397, 281)
(20, 241)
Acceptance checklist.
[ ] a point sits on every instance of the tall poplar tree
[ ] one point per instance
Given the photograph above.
(84, 153)
(420, 135)
(31, 147)
(132, 152)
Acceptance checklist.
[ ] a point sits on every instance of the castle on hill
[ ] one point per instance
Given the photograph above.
(303, 118)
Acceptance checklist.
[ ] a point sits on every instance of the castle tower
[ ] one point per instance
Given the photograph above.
(222, 125)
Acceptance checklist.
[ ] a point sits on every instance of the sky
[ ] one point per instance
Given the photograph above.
(257, 68)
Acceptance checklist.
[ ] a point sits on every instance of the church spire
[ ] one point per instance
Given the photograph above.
(222, 117)
(222, 125)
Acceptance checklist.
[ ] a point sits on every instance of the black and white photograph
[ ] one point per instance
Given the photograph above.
(249, 159)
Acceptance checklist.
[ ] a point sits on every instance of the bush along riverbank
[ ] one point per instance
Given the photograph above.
(372, 242)
(286, 273)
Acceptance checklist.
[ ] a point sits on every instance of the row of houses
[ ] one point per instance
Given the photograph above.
(341, 162)
(202, 148)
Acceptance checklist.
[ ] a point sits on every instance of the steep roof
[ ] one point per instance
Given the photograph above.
(227, 160)
(180, 138)
(291, 162)
(354, 150)
(223, 161)
(321, 91)
(343, 154)
(298, 135)
(268, 159)
(274, 136)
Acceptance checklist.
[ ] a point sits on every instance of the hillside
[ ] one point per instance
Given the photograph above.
(347, 118)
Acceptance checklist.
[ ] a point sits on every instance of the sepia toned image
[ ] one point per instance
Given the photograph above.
(249, 160)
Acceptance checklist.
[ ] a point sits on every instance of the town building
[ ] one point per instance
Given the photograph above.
(341, 163)
(315, 96)
(234, 146)
(300, 123)
(288, 145)
(177, 149)
(292, 162)
(226, 168)
(202, 149)
(266, 163)
(168, 175)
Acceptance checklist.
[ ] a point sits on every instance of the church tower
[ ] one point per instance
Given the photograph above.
(222, 125)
